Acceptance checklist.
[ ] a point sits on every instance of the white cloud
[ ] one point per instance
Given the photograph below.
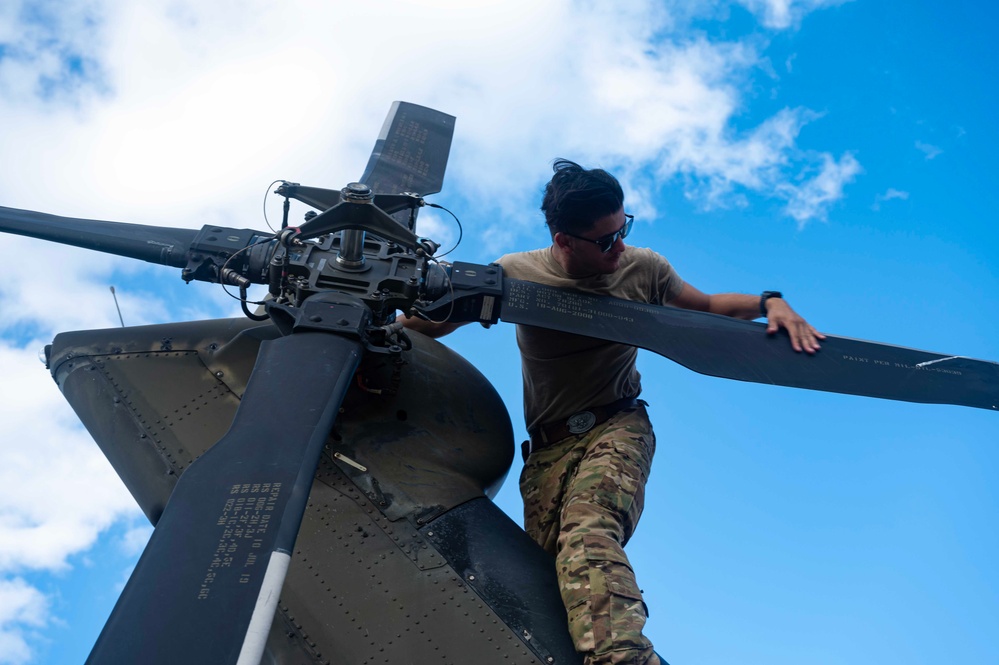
(23, 609)
(889, 195)
(132, 543)
(811, 199)
(57, 494)
(931, 151)
(189, 131)
(781, 14)
(57, 491)
(48, 50)
(135, 539)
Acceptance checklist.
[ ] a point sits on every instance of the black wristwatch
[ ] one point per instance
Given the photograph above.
(764, 297)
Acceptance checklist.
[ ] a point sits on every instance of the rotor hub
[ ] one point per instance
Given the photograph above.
(357, 192)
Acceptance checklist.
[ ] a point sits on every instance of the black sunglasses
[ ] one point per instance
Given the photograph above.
(606, 242)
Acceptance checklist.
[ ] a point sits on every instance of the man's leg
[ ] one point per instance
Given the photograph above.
(543, 482)
(602, 504)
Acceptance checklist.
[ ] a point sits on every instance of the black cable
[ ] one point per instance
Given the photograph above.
(266, 192)
(461, 231)
(246, 310)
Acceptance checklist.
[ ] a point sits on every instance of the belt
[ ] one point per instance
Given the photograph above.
(545, 435)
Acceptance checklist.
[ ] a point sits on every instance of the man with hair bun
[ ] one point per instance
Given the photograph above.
(591, 442)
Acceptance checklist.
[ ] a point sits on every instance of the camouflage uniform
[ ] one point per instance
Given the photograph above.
(583, 497)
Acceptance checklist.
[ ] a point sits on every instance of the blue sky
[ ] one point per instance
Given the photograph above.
(842, 152)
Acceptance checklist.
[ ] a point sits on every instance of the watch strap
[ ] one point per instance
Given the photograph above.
(764, 297)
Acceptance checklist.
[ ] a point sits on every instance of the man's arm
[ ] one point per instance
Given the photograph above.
(743, 306)
(433, 329)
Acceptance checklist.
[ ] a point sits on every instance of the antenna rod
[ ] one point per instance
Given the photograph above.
(116, 307)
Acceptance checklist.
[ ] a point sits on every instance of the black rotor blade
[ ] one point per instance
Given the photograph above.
(734, 349)
(205, 588)
(155, 244)
(411, 152)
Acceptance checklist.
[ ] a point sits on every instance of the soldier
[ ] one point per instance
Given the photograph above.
(591, 443)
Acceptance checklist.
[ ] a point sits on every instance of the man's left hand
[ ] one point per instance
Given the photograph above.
(803, 336)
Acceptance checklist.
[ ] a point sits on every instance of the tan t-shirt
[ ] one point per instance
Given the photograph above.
(565, 373)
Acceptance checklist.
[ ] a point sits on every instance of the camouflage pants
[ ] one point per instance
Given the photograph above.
(582, 500)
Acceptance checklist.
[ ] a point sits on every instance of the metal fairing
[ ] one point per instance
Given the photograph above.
(504, 566)
(155, 397)
(383, 565)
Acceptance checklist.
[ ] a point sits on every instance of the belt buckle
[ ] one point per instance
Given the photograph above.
(580, 423)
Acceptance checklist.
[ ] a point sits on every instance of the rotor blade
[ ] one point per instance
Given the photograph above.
(734, 349)
(205, 588)
(411, 152)
(155, 244)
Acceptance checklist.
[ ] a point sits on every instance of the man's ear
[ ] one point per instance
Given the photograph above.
(562, 241)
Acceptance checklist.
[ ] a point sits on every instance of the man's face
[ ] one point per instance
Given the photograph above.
(589, 256)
